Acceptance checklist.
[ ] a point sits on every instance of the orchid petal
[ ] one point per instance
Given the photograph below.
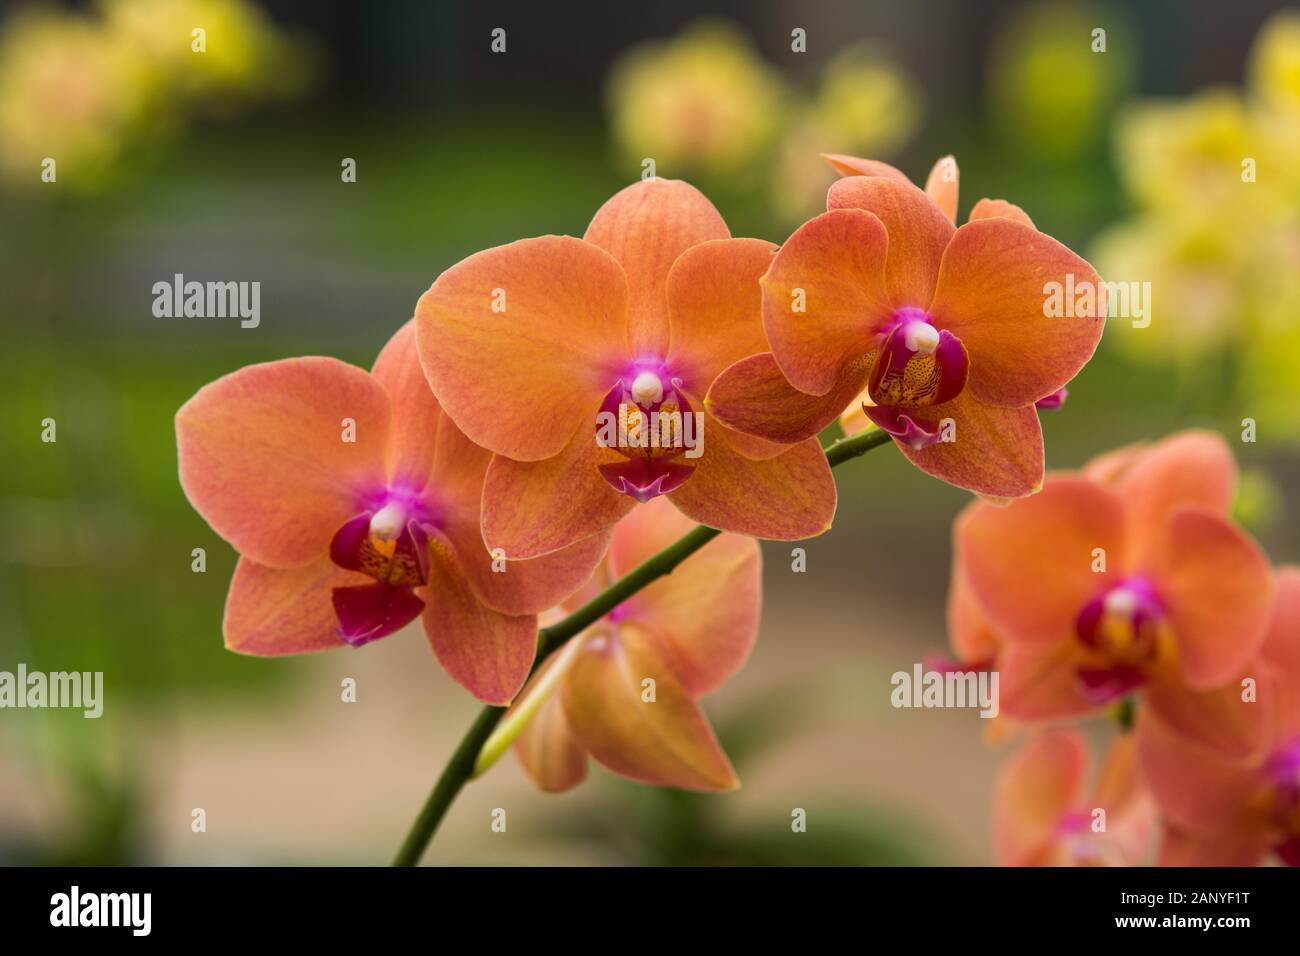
(942, 186)
(997, 451)
(1198, 789)
(992, 293)
(854, 166)
(706, 612)
(786, 498)
(265, 456)
(516, 340)
(413, 432)
(1000, 208)
(824, 297)
(918, 233)
(1190, 468)
(715, 308)
(486, 652)
(533, 508)
(272, 612)
(1036, 788)
(645, 227)
(1217, 586)
(548, 751)
(665, 741)
(1030, 565)
(754, 397)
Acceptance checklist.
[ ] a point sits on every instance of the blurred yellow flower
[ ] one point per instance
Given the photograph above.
(1216, 181)
(244, 55)
(1272, 392)
(706, 104)
(1274, 69)
(865, 105)
(83, 91)
(702, 102)
(1181, 151)
(1052, 90)
(66, 95)
(1196, 270)
(800, 176)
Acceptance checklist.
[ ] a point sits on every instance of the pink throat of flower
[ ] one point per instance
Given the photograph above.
(1122, 625)
(646, 418)
(918, 366)
(1053, 402)
(390, 543)
(1282, 770)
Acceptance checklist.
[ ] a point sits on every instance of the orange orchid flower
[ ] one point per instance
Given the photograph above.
(687, 633)
(353, 502)
(947, 331)
(583, 364)
(1224, 810)
(1043, 815)
(971, 636)
(1127, 576)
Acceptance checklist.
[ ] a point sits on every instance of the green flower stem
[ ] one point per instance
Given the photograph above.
(461, 768)
(525, 708)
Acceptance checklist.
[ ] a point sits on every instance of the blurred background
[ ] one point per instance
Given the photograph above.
(227, 164)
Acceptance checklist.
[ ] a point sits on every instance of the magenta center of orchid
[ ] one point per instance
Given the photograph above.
(1282, 770)
(1072, 822)
(388, 541)
(647, 420)
(1125, 627)
(918, 366)
(648, 383)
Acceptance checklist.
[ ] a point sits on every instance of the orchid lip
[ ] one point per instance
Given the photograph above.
(1283, 769)
(1134, 601)
(903, 426)
(370, 611)
(1125, 627)
(645, 478)
(389, 542)
(1101, 685)
(1051, 403)
(650, 418)
(1073, 821)
(918, 364)
(401, 560)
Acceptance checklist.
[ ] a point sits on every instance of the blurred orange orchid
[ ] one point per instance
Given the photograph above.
(353, 502)
(1126, 576)
(537, 349)
(949, 333)
(972, 638)
(1042, 816)
(1229, 811)
(625, 690)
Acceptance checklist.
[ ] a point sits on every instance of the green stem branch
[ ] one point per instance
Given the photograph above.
(460, 768)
